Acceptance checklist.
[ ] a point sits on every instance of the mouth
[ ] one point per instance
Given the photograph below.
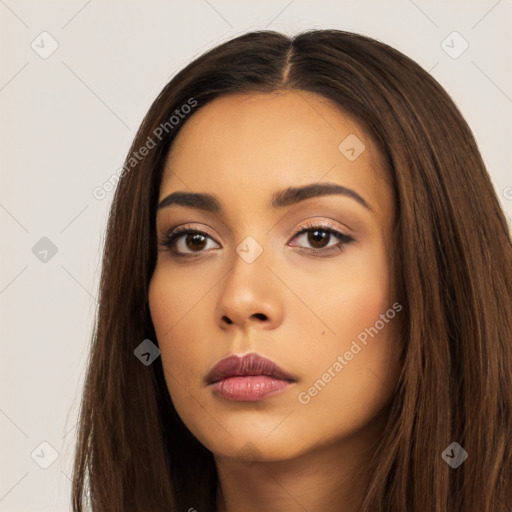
(248, 378)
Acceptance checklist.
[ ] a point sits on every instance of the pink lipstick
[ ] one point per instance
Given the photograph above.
(248, 378)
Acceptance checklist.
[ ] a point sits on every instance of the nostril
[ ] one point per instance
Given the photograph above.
(226, 319)
(260, 316)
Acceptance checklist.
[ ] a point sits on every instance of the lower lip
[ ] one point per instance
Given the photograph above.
(249, 389)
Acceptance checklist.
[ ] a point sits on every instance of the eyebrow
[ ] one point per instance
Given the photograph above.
(286, 197)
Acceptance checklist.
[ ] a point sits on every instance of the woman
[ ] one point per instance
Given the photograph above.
(305, 233)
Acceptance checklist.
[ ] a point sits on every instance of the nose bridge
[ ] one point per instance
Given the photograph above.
(249, 256)
(247, 269)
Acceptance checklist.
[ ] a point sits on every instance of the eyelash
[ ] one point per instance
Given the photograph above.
(170, 239)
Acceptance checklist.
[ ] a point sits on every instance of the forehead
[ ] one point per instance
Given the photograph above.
(249, 145)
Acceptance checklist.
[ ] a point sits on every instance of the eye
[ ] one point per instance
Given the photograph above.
(318, 237)
(184, 241)
(189, 243)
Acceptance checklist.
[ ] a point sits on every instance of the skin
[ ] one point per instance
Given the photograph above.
(298, 308)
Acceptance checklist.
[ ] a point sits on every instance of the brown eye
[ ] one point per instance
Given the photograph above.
(187, 242)
(195, 241)
(318, 238)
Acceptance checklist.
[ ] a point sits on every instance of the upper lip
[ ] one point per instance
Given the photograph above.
(248, 364)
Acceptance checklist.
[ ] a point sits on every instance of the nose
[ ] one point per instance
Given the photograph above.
(250, 296)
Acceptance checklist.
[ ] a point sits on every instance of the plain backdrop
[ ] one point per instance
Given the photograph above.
(67, 121)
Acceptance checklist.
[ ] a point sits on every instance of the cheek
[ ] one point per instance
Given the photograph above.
(178, 317)
(178, 311)
(172, 293)
(355, 292)
(354, 372)
(177, 300)
(169, 303)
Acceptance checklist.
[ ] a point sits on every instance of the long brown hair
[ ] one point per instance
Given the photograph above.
(452, 263)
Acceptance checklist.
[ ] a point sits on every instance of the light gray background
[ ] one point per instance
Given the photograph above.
(66, 125)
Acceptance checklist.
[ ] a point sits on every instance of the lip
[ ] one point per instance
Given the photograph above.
(248, 378)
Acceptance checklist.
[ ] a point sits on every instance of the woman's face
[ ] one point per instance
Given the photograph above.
(319, 303)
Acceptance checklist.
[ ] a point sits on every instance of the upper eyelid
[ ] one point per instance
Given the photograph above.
(317, 224)
(184, 229)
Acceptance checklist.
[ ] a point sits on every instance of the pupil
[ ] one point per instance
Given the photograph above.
(195, 238)
(317, 240)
